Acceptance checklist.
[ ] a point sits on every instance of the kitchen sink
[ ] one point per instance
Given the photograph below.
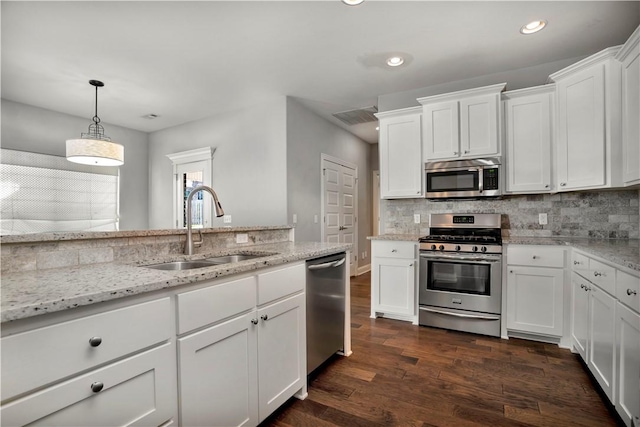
(225, 259)
(181, 265)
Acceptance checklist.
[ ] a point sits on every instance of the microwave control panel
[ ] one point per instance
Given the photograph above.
(490, 179)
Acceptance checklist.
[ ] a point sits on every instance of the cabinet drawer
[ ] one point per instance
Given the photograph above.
(579, 263)
(36, 358)
(602, 275)
(536, 256)
(279, 283)
(208, 305)
(394, 249)
(628, 290)
(138, 391)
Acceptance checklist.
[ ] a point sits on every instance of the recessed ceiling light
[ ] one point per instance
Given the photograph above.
(395, 61)
(150, 116)
(352, 2)
(533, 27)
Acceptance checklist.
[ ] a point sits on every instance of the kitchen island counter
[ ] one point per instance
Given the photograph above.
(32, 293)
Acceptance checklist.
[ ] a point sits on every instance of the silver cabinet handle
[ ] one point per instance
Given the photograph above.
(597, 274)
(631, 292)
(563, 184)
(97, 387)
(264, 317)
(254, 321)
(95, 341)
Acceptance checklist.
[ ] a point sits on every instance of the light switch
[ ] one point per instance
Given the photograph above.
(226, 219)
(295, 218)
(416, 218)
(542, 219)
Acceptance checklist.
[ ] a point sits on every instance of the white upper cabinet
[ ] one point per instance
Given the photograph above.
(629, 56)
(589, 153)
(528, 131)
(400, 146)
(462, 124)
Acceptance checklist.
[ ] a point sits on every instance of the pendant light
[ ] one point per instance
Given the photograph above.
(94, 147)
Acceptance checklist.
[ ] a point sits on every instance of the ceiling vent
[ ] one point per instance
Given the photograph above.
(356, 117)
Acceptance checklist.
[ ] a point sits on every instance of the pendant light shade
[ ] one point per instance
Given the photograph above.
(94, 147)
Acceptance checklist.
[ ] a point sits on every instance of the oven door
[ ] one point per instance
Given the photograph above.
(461, 281)
(446, 183)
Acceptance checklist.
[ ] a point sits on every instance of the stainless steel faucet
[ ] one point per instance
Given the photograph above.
(188, 246)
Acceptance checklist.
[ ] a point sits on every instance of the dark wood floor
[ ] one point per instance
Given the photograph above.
(405, 375)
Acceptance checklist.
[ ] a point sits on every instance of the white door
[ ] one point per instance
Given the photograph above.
(188, 176)
(339, 205)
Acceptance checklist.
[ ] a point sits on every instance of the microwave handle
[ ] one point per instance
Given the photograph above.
(480, 180)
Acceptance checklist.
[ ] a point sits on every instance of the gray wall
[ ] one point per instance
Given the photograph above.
(309, 136)
(598, 214)
(37, 130)
(515, 79)
(249, 164)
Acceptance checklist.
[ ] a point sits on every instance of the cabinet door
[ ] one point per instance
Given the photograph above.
(581, 130)
(137, 391)
(528, 126)
(441, 138)
(630, 114)
(628, 347)
(535, 300)
(479, 126)
(218, 374)
(282, 363)
(602, 332)
(401, 167)
(393, 282)
(579, 314)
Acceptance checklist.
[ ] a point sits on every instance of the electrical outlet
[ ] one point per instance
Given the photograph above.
(226, 219)
(242, 238)
(363, 256)
(416, 218)
(542, 219)
(295, 218)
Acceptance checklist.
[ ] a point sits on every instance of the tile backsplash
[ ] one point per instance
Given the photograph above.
(611, 214)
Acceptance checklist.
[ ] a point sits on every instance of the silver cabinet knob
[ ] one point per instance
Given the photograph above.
(95, 341)
(394, 250)
(97, 387)
(511, 271)
(455, 153)
(411, 265)
(264, 317)
(582, 286)
(563, 184)
(631, 292)
(254, 321)
(535, 257)
(546, 186)
(466, 151)
(576, 262)
(597, 274)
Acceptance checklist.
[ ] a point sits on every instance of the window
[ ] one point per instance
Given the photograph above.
(41, 193)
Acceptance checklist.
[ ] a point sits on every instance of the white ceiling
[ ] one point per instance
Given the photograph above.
(187, 60)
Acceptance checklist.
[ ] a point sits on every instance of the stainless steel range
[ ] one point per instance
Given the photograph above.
(461, 273)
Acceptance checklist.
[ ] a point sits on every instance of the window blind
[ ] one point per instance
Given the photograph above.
(41, 193)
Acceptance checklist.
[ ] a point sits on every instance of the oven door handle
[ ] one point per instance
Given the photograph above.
(466, 316)
(497, 258)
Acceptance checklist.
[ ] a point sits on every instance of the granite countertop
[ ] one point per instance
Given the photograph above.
(32, 293)
(625, 252)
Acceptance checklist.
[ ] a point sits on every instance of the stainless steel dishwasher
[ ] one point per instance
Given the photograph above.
(325, 308)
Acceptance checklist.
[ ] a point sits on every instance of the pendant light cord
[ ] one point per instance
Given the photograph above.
(96, 119)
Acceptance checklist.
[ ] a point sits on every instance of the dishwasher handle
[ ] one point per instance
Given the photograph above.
(331, 264)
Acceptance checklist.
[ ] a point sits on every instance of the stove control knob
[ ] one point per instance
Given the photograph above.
(484, 249)
(474, 249)
(457, 247)
(433, 247)
(441, 247)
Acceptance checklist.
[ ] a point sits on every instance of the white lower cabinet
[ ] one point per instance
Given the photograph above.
(535, 300)
(393, 280)
(535, 290)
(627, 400)
(219, 374)
(602, 335)
(237, 371)
(579, 314)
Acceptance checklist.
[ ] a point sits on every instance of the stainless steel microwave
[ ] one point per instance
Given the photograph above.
(470, 178)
